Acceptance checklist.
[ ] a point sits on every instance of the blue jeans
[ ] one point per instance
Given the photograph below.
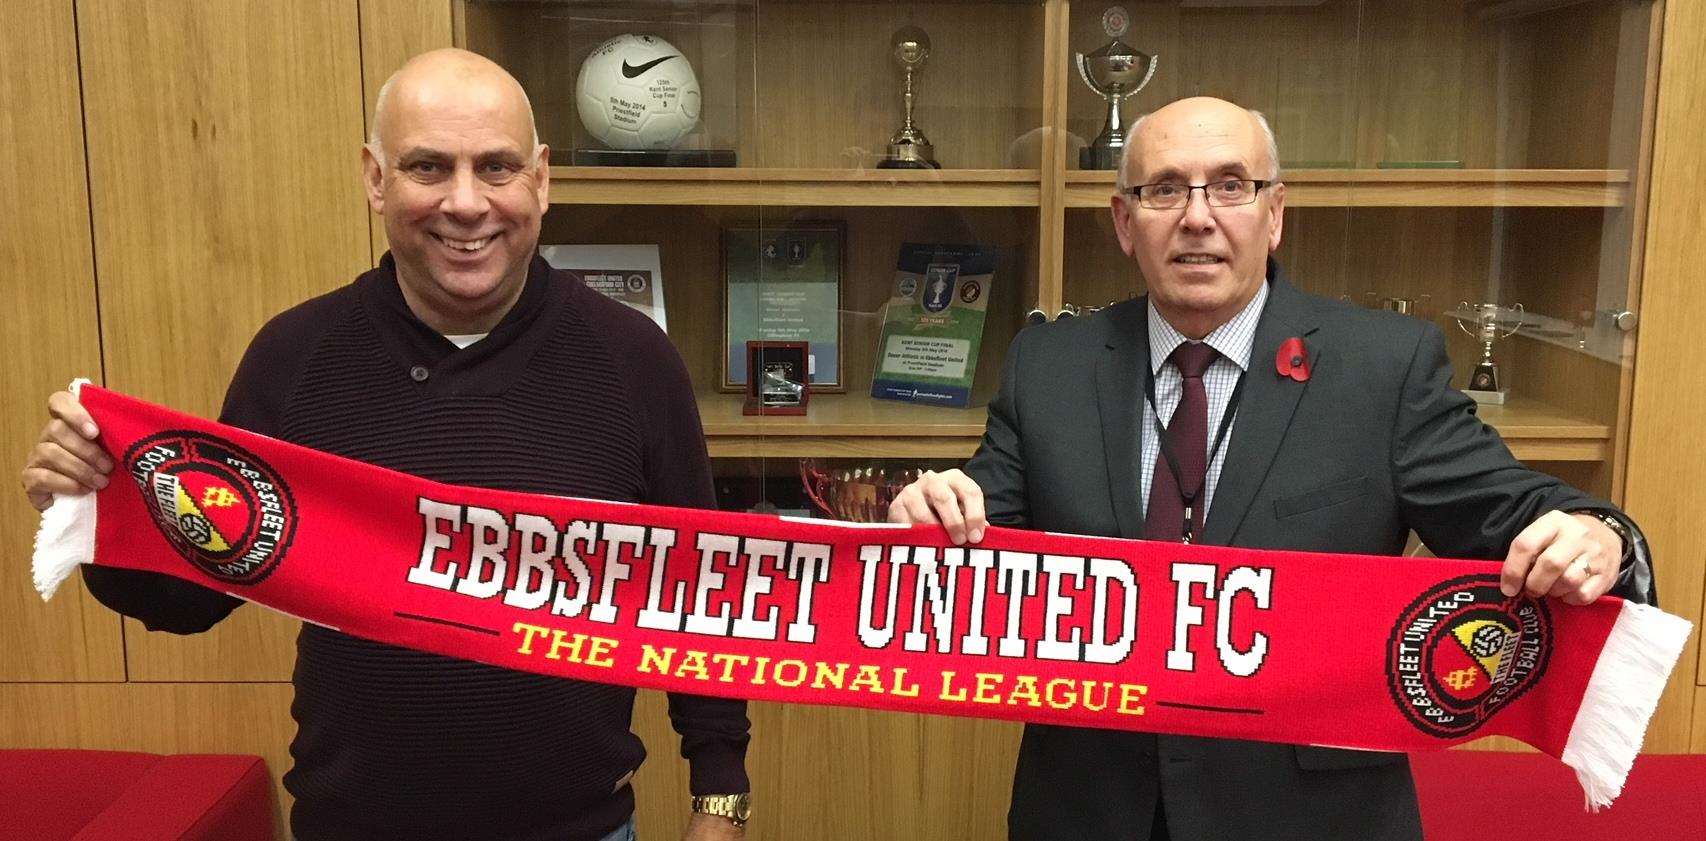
(624, 832)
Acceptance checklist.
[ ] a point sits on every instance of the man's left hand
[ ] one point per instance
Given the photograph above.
(1574, 557)
(711, 828)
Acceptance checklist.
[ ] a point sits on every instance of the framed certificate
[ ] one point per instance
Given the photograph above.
(631, 274)
(782, 283)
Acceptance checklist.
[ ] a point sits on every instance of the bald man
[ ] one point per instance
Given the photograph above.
(1351, 456)
(462, 358)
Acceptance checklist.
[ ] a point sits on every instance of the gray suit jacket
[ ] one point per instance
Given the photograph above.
(1374, 444)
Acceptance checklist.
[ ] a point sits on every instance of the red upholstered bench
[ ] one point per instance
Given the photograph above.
(92, 795)
(1481, 794)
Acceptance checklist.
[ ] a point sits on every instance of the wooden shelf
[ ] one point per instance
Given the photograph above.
(1415, 188)
(738, 186)
(796, 187)
(842, 425)
(1537, 431)
(856, 426)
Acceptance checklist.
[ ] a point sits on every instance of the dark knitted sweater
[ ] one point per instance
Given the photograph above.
(572, 394)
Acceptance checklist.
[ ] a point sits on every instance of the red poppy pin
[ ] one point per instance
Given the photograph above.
(1292, 360)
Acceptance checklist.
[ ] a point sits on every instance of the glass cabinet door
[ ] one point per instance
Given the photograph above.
(1476, 164)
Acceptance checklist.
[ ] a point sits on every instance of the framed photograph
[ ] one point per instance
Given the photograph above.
(782, 283)
(778, 383)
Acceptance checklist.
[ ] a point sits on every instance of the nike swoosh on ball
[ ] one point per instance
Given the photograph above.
(630, 71)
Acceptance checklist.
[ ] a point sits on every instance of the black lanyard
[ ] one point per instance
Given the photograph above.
(1190, 501)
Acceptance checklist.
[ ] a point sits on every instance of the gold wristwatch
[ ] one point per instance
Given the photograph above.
(736, 807)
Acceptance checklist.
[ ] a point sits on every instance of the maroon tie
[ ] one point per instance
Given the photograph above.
(1187, 440)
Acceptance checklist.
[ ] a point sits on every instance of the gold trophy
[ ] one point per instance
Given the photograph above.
(858, 495)
(909, 148)
(1492, 323)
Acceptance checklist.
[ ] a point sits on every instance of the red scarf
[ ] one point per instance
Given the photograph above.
(1030, 626)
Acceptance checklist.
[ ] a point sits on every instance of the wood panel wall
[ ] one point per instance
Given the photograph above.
(1667, 458)
(175, 172)
(47, 275)
(224, 188)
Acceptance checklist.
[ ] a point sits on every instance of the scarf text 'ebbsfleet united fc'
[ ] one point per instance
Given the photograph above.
(1342, 650)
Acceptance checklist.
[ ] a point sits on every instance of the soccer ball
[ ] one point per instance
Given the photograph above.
(637, 92)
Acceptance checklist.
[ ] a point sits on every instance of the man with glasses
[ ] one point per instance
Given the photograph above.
(1176, 416)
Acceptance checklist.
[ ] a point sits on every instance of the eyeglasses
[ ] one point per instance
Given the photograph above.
(1231, 193)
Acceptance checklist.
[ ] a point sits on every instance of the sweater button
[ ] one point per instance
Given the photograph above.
(419, 373)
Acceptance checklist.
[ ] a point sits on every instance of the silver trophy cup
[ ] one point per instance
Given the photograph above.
(1115, 72)
(1491, 323)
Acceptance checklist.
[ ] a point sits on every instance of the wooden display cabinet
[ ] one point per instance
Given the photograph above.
(816, 98)
(1443, 152)
(1472, 150)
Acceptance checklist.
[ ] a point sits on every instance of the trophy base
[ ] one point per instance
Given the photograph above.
(1487, 398)
(650, 157)
(778, 409)
(910, 155)
(898, 163)
(1100, 157)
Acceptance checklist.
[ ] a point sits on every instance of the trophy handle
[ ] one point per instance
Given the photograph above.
(1153, 61)
(1462, 305)
(1084, 73)
(810, 479)
(1518, 324)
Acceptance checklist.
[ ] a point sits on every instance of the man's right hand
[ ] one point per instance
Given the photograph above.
(950, 498)
(66, 460)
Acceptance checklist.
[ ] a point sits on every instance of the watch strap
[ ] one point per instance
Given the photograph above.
(1618, 527)
(735, 807)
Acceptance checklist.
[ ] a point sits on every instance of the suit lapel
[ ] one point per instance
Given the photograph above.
(1264, 412)
(1120, 401)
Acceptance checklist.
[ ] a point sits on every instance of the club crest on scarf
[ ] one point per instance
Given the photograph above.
(221, 508)
(1462, 651)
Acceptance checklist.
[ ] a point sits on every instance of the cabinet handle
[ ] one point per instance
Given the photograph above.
(1625, 320)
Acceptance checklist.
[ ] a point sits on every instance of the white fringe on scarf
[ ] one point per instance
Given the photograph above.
(66, 537)
(1621, 696)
